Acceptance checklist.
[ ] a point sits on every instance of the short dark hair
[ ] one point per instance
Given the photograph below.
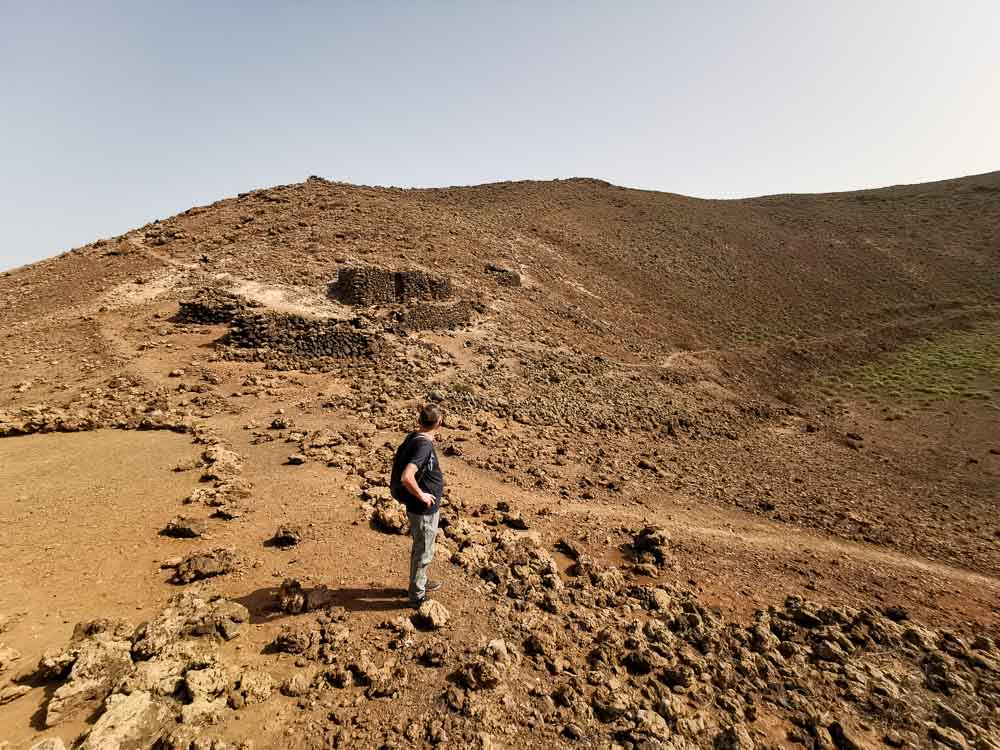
(430, 415)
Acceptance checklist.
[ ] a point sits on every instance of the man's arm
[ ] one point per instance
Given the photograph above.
(409, 480)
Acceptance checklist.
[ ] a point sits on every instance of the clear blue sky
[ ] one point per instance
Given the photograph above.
(114, 114)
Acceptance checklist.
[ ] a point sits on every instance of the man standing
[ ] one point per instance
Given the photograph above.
(418, 482)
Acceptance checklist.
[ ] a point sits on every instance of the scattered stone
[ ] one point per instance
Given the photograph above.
(296, 459)
(320, 639)
(897, 613)
(206, 564)
(185, 527)
(433, 654)
(178, 373)
(569, 548)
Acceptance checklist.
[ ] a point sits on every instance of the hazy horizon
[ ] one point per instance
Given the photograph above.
(116, 117)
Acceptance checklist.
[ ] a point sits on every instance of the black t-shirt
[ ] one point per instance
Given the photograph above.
(419, 451)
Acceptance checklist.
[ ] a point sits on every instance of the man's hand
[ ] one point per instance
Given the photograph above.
(410, 482)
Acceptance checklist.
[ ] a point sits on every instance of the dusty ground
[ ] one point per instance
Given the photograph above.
(646, 372)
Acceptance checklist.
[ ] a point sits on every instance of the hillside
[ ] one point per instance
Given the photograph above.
(664, 414)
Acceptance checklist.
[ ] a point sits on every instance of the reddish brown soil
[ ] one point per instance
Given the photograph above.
(635, 306)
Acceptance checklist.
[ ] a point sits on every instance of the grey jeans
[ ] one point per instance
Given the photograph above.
(423, 529)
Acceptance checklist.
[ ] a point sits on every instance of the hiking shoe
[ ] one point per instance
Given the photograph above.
(433, 586)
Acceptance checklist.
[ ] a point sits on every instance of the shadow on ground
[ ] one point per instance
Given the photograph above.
(263, 607)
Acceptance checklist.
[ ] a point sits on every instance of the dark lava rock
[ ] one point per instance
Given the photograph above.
(206, 564)
(185, 527)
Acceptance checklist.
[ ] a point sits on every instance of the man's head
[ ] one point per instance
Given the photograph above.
(430, 417)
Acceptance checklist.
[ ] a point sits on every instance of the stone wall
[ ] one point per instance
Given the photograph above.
(372, 285)
(304, 337)
(434, 317)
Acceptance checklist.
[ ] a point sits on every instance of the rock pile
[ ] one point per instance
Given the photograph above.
(319, 639)
(228, 492)
(211, 305)
(372, 285)
(138, 682)
(650, 665)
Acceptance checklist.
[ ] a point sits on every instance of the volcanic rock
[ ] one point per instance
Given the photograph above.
(294, 599)
(7, 657)
(252, 686)
(432, 614)
(206, 564)
(130, 722)
(185, 527)
(390, 516)
(11, 693)
(287, 536)
(98, 655)
(189, 615)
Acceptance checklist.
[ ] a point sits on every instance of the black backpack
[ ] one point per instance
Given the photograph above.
(399, 465)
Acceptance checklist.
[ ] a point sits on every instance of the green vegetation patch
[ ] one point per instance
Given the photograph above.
(960, 364)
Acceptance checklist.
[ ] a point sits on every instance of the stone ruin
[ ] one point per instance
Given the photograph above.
(301, 336)
(503, 276)
(211, 306)
(435, 317)
(372, 285)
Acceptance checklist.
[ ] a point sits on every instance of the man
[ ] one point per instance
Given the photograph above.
(418, 482)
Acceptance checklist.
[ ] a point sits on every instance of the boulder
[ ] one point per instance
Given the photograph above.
(130, 722)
